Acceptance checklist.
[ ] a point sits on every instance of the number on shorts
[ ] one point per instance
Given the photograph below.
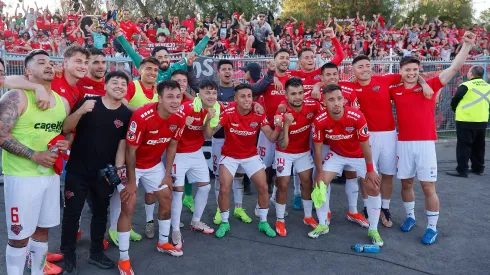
(14, 214)
(280, 161)
(175, 168)
(329, 155)
(262, 151)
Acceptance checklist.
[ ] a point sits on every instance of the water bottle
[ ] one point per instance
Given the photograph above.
(43, 170)
(366, 248)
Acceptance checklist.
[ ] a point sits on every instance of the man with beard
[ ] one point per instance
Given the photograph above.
(101, 124)
(93, 83)
(161, 54)
(32, 187)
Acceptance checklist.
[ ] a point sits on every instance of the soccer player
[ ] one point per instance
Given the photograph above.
(347, 132)
(190, 162)
(142, 91)
(241, 126)
(32, 187)
(153, 128)
(293, 148)
(416, 152)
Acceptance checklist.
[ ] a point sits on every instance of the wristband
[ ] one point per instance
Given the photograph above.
(369, 167)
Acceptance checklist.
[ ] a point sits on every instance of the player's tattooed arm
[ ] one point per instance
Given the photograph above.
(283, 138)
(10, 110)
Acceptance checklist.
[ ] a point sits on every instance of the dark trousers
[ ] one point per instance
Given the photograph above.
(470, 146)
(77, 188)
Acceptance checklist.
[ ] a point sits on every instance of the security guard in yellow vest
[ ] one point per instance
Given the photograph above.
(471, 104)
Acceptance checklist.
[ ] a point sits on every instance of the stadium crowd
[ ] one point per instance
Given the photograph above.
(375, 36)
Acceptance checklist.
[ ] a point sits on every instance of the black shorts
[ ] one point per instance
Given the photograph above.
(259, 47)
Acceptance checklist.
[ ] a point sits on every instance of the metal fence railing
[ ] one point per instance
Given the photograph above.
(206, 66)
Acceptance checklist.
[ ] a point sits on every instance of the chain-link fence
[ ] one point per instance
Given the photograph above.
(205, 67)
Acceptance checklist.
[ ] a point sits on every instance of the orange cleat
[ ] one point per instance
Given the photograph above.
(281, 229)
(125, 267)
(105, 243)
(358, 218)
(51, 269)
(53, 257)
(79, 234)
(329, 218)
(311, 222)
(169, 249)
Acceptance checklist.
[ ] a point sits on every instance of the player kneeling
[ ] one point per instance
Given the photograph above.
(347, 132)
(241, 127)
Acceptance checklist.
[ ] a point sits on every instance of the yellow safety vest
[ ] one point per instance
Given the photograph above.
(474, 105)
(139, 99)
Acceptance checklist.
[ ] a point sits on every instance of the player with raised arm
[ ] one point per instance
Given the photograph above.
(153, 128)
(416, 153)
(293, 148)
(347, 132)
(241, 126)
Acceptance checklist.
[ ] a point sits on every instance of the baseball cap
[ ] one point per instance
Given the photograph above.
(254, 69)
(236, 14)
(8, 33)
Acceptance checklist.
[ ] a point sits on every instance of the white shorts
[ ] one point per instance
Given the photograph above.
(193, 165)
(151, 178)
(283, 162)
(417, 157)
(216, 146)
(337, 163)
(31, 202)
(383, 148)
(250, 166)
(326, 151)
(266, 150)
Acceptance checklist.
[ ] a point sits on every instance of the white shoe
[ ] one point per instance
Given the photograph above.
(177, 239)
(150, 230)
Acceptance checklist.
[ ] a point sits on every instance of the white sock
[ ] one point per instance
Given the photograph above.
(352, 191)
(432, 218)
(164, 230)
(79, 223)
(329, 191)
(322, 212)
(365, 202)
(200, 201)
(176, 209)
(297, 185)
(280, 209)
(308, 208)
(16, 259)
(410, 209)
(216, 188)
(263, 214)
(38, 251)
(123, 238)
(149, 210)
(115, 210)
(238, 191)
(274, 191)
(373, 208)
(225, 215)
(385, 204)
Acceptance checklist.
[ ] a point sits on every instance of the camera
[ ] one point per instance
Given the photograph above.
(110, 174)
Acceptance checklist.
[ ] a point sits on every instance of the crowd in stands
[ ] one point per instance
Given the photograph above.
(36, 27)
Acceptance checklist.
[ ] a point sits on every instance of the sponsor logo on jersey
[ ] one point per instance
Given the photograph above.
(49, 127)
(145, 114)
(338, 137)
(276, 92)
(349, 129)
(158, 141)
(302, 129)
(197, 119)
(376, 88)
(118, 123)
(234, 124)
(329, 130)
(133, 126)
(153, 132)
(88, 87)
(254, 124)
(242, 133)
(16, 228)
(172, 127)
(69, 194)
(195, 128)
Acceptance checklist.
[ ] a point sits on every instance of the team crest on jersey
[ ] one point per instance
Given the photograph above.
(172, 128)
(364, 132)
(309, 116)
(182, 107)
(133, 126)
(349, 129)
(254, 124)
(280, 169)
(376, 88)
(69, 194)
(16, 228)
(317, 77)
(118, 123)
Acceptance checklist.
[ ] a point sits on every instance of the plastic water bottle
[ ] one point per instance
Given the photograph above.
(43, 170)
(366, 248)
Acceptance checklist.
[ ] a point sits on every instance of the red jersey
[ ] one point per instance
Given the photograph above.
(188, 43)
(375, 102)
(289, 28)
(273, 97)
(189, 23)
(128, 28)
(299, 130)
(64, 89)
(349, 95)
(132, 90)
(59, 27)
(152, 134)
(73, 35)
(344, 135)
(241, 133)
(152, 35)
(88, 87)
(415, 113)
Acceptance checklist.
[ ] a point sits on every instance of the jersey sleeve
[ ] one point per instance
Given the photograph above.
(362, 128)
(264, 121)
(223, 120)
(318, 131)
(136, 129)
(392, 79)
(339, 53)
(135, 29)
(436, 85)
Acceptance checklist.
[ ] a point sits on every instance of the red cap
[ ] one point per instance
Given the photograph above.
(236, 14)
(8, 33)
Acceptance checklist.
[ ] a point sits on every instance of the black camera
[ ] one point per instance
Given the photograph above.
(110, 174)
